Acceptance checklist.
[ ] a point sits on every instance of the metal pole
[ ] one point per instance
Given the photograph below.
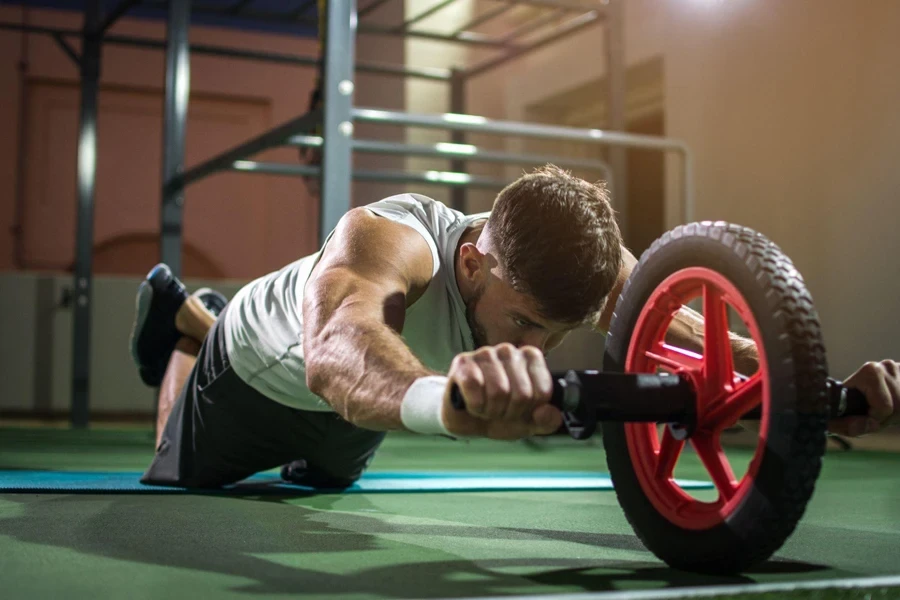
(84, 237)
(337, 125)
(370, 7)
(445, 178)
(424, 14)
(451, 122)
(534, 24)
(274, 137)
(431, 73)
(119, 11)
(484, 18)
(178, 82)
(458, 195)
(450, 151)
(615, 79)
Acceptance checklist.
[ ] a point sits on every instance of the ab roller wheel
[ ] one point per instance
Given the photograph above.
(657, 400)
(716, 266)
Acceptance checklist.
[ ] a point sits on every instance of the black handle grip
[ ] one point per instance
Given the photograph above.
(842, 401)
(846, 402)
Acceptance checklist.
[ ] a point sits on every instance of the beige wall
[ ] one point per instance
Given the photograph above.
(242, 224)
(790, 109)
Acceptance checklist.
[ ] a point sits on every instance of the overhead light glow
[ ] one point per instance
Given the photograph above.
(455, 148)
(307, 140)
(467, 119)
(447, 177)
(369, 113)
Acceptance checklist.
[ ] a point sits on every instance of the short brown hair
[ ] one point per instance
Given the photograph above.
(557, 241)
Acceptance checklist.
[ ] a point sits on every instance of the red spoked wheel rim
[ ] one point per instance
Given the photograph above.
(722, 397)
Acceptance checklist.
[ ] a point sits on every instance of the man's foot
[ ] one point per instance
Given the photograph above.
(154, 334)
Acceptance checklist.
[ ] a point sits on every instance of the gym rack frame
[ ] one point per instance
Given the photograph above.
(336, 118)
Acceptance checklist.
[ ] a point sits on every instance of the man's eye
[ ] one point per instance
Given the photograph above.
(522, 323)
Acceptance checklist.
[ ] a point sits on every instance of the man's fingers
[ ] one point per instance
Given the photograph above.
(470, 379)
(539, 373)
(497, 387)
(870, 380)
(547, 419)
(853, 426)
(521, 397)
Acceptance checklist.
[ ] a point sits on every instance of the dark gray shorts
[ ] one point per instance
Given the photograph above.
(221, 430)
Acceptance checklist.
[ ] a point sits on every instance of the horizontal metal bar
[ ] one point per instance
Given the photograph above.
(362, 12)
(269, 139)
(431, 73)
(484, 17)
(566, 29)
(455, 151)
(38, 29)
(446, 178)
(455, 122)
(470, 38)
(67, 48)
(434, 74)
(121, 8)
(569, 6)
(424, 15)
(534, 24)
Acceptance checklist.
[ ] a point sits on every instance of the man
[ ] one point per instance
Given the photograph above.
(319, 360)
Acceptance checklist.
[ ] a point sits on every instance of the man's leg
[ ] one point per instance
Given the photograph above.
(194, 319)
(164, 312)
(180, 365)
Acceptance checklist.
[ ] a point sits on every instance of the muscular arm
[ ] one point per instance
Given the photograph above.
(686, 330)
(353, 311)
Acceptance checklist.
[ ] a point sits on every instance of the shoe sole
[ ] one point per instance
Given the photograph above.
(142, 309)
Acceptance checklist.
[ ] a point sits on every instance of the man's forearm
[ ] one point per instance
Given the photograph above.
(686, 331)
(362, 370)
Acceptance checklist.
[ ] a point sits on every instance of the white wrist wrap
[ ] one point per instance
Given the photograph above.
(422, 405)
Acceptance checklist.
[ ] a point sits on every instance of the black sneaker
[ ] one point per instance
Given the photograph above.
(154, 335)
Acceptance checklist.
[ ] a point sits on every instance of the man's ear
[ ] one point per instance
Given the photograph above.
(472, 263)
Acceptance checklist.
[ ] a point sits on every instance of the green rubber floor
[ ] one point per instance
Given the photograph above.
(397, 545)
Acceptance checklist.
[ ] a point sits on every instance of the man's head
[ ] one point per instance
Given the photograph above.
(545, 262)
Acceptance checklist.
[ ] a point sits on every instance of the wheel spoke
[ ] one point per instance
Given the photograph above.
(669, 451)
(734, 406)
(718, 367)
(675, 358)
(709, 448)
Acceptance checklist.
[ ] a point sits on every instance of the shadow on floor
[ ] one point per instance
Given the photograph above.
(232, 536)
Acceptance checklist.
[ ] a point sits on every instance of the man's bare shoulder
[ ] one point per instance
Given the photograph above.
(376, 248)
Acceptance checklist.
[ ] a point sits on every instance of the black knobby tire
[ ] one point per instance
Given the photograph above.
(797, 371)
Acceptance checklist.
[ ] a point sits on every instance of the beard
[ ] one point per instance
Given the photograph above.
(479, 336)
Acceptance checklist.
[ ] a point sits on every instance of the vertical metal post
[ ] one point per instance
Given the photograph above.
(84, 237)
(615, 78)
(178, 85)
(458, 105)
(337, 125)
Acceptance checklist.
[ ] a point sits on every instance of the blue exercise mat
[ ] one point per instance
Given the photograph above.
(375, 482)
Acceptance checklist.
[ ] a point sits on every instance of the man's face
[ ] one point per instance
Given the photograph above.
(499, 314)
